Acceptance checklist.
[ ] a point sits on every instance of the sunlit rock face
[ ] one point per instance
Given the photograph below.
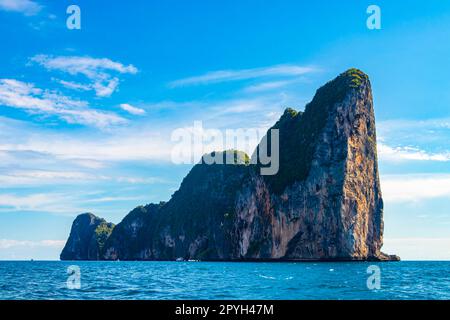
(323, 204)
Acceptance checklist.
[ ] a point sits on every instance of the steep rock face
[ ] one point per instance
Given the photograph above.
(87, 238)
(127, 242)
(323, 204)
(195, 224)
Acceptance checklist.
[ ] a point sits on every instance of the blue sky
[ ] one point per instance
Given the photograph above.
(86, 115)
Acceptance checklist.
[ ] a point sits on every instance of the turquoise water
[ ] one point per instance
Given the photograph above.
(223, 280)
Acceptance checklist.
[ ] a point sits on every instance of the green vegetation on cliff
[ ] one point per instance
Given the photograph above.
(102, 233)
(87, 238)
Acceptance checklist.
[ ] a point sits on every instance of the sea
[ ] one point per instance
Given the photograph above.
(91, 280)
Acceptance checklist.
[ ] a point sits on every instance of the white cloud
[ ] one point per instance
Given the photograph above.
(243, 74)
(414, 140)
(265, 86)
(45, 202)
(57, 203)
(71, 202)
(89, 163)
(10, 243)
(414, 125)
(39, 174)
(41, 177)
(106, 89)
(32, 147)
(21, 95)
(414, 187)
(47, 177)
(31, 156)
(27, 7)
(148, 142)
(90, 67)
(138, 180)
(241, 112)
(144, 146)
(24, 145)
(131, 109)
(113, 199)
(398, 154)
(98, 70)
(73, 85)
(102, 89)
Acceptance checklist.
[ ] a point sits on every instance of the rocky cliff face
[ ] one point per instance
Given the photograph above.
(323, 204)
(87, 238)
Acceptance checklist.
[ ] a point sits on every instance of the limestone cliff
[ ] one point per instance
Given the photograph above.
(87, 238)
(323, 204)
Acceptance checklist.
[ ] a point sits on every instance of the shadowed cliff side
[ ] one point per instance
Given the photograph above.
(323, 204)
(87, 238)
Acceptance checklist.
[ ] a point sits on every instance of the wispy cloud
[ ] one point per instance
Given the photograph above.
(21, 95)
(423, 124)
(101, 72)
(131, 109)
(73, 85)
(398, 154)
(265, 86)
(414, 140)
(89, 163)
(414, 187)
(90, 67)
(43, 177)
(43, 202)
(32, 177)
(10, 243)
(60, 203)
(27, 146)
(133, 147)
(102, 89)
(26, 7)
(260, 111)
(243, 74)
(106, 89)
(114, 199)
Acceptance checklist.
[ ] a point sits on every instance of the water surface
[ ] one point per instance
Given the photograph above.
(223, 280)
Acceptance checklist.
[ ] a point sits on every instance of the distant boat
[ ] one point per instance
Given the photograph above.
(180, 259)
